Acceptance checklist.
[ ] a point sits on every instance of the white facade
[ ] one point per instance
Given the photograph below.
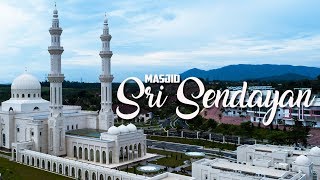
(106, 119)
(222, 169)
(281, 157)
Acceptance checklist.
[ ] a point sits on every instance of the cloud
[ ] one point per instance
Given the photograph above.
(159, 35)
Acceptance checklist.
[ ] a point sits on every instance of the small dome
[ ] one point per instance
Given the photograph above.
(123, 129)
(302, 160)
(26, 82)
(113, 130)
(132, 127)
(315, 151)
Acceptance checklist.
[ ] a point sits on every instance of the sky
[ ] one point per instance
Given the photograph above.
(158, 37)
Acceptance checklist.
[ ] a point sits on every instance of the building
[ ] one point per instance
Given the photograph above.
(280, 157)
(66, 139)
(221, 169)
(309, 116)
(29, 122)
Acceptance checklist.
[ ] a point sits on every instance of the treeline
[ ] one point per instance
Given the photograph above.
(296, 134)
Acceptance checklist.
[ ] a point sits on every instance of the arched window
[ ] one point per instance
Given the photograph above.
(94, 176)
(86, 153)
(73, 174)
(34, 95)
(22, 95)
(79, 174)
(29, 95)
(17, 95)
(86, 175)
(97, 156)
(75, 151)
(66, 171)
(80, 152)
(10, 109)
(36, 109)
(48, 166)
(91, 155)
(60, 169)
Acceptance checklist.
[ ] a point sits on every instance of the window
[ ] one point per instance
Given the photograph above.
(40, 133)
(316, 112)
(13, 95)
(22, 95)
(32, 133)
(76, 126)
(72, 127)
(18, 130)
(34, 95)
(29, 95)
(3, 139)
(17, 95)
(67, 128)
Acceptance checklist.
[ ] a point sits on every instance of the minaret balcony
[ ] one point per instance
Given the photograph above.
(105, 54)
(55, 31)
(55, 78)
(55, 49)
(106, 78)
(105, 37)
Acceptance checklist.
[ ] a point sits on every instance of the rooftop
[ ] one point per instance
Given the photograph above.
(227, 166)
(95, 133)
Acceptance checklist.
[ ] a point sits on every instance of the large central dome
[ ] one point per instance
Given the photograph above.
(26, 82)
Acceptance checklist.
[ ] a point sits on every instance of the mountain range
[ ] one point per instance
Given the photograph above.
(264, 72)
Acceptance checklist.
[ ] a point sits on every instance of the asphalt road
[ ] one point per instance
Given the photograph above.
(185, 148)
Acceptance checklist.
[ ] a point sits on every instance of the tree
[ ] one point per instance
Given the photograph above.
(212, 124)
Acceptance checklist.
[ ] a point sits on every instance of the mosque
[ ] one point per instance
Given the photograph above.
(28, 122)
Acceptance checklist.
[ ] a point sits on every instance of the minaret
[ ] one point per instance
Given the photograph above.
(56, 134)
(106, 113)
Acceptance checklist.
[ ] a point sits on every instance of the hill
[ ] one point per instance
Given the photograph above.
(249, 72)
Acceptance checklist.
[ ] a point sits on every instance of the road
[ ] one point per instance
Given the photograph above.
(185, 147)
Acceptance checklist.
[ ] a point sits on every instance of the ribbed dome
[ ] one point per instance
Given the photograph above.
(123, 129)
(113, 130)
(302, 160)
(26, 82)
(132, 127)
(315, 151)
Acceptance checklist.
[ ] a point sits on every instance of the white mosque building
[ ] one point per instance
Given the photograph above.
(51, 135)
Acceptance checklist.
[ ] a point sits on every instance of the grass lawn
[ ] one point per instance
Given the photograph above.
(11, 170)
(172, 159)
(199, 142)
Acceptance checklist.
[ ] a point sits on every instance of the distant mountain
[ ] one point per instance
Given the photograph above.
(259, 72)
(285, 77)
